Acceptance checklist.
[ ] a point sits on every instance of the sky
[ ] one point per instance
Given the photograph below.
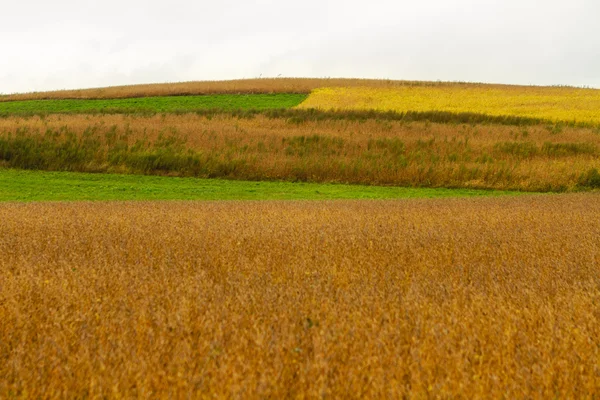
(68, 44)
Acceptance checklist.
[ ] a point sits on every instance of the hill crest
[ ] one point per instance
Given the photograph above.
(237, 86)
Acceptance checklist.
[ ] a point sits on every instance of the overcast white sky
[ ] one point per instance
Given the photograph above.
(62, 44)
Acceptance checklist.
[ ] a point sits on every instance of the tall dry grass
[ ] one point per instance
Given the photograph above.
(267, 85)
(484, 298)
(531, 158)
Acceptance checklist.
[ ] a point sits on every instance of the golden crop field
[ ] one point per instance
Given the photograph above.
(262, 85)
(528, 158)
(477, 298)
(548, 103)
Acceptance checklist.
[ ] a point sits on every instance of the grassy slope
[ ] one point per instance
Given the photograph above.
(18, 185)
(435, 101)
(154, 104)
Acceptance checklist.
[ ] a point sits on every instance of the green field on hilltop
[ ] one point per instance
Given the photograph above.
(21, 185)
(226, 102)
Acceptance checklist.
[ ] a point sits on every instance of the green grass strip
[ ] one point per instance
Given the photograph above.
(225, 102)
(23, 185)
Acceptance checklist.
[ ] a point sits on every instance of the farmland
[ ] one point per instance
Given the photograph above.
(489, 297)
(260, 147)
(545, 103)
(300, 238)
(152, 104)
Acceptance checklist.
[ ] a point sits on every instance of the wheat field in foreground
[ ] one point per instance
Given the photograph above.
(557, 104)
(471, 298)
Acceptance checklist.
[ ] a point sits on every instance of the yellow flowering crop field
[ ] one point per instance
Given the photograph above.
(556, 104)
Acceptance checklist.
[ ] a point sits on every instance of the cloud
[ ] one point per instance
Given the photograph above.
(72, 44)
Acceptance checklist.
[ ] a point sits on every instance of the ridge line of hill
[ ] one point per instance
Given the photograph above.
(239, 86)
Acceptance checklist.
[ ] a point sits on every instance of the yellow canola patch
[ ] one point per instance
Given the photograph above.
(555, 104)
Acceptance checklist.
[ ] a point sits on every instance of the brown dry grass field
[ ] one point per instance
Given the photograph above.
(461, 298)
(240, 86)
(532, 158)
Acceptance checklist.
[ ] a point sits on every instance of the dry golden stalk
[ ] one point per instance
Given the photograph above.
(477, 298)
